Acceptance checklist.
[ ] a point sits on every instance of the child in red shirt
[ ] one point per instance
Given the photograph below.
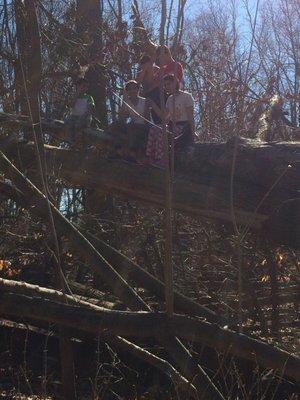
(167, 63)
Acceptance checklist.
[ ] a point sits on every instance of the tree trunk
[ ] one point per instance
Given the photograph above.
(163, 20)
(31, 72)
(89, 26)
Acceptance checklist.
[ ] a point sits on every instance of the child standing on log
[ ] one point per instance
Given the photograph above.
(82, 111)
(167, 63)
(148, 74)
(180, 114)
(151, 76)
(180, 110)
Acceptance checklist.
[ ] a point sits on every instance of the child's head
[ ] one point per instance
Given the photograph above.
(132, 88)
(82, 85)
(163, 54)
(171, 83)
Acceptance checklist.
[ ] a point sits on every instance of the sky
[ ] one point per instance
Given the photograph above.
(194, 6)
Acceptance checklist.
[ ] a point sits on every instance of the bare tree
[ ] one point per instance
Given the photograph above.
(163, 21)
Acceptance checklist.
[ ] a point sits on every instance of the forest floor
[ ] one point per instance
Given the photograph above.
(206, 269)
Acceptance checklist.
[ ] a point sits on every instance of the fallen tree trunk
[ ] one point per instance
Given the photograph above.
(258, 163)
(264, 194)
(141, 183)
(30, 301)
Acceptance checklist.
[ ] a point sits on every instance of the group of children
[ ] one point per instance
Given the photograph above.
(141, 138)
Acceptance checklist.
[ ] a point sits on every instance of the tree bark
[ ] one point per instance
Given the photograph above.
(31, 67)
(163, 20)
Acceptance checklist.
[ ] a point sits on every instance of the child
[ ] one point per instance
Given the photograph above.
(180, 110)
(82, 110)
(148, 74)
(180, 114)
(136, 108)
(167, 63)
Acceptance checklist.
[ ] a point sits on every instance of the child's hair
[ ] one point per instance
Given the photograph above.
(80, 81)
(172, 78)
(144, 59)
(131, 84)
(163, 49)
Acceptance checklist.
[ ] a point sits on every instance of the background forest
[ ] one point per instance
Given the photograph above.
(236, 55)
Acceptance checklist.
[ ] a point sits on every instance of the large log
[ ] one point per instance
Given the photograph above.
(264, 177)
(30, 301)
(260, 192)
(137, 182)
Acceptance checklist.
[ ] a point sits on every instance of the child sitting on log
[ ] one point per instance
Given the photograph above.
(82, 111)
(136, 108)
